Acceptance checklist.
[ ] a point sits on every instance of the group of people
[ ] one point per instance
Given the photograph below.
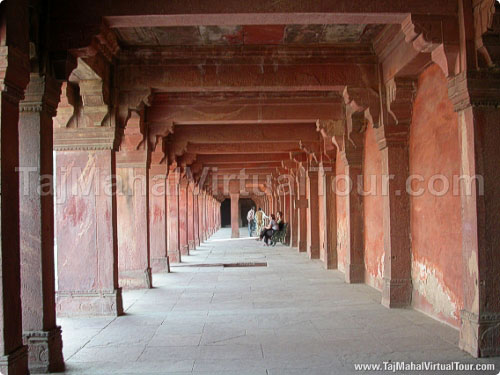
(256, 221)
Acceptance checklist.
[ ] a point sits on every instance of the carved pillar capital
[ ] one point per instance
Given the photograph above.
(477, 89)
(42, 95)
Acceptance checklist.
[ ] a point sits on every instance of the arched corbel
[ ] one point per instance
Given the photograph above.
(362, 100)
(311, 155)
(187, 159)
(400, 95)
(175, 150)
(437, 37)
(95, 97)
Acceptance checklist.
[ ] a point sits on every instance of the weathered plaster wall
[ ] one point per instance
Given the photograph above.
(342, 235)
(435, 220)
(373, 206)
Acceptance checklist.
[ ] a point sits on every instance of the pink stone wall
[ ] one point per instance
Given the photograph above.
(342, 235)
(435, 221)
(373, 206)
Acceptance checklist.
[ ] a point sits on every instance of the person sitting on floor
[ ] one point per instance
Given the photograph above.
(270, 229)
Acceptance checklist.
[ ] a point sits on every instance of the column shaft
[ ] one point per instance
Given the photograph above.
(158, 218)
(312, 215)
(174, 251)
(41, 333)
(235, 214)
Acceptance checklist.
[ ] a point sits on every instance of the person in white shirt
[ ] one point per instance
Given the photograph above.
(260, 216)
(251, 221)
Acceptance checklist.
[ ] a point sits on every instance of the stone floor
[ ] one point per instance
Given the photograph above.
(292, 317)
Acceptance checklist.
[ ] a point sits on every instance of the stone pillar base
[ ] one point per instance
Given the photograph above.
(15, 363)
(396, 293)
(313, 252)
(197, 242)
(90, 303)
(355, 273)
(184, 250)
(136, 279)
(160, 264)
(302, 247)
(44, 351)
(480, 335)
(330, 265)
(191, 245)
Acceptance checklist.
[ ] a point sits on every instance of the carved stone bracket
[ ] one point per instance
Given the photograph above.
(366, 101)
(484, 11)
(90, 126)
(129, 101)
(14, 73)
(331, 128)
(437, 37)
(400, 94)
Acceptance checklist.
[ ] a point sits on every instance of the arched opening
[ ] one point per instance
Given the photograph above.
(225, 213)
(245, 205)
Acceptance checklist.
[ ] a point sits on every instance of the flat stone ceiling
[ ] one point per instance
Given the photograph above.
(246, 35)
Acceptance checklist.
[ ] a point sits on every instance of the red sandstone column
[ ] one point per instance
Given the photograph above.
(190, 216)
(312, 214)
(218, 216)
(183, 217)
(204, 215)
(86, 233)
(200, 214)
(212, 215)
(328, 202)
(174, 251)
(196, 216)
(301, 204)
(41, 333)
(134, 269)
(288, 214)
(235, 213)
(158, 213)
(354, 272)
(293, 214)
(478, 119)
(14, 76)
(86, 208)
(396, 215)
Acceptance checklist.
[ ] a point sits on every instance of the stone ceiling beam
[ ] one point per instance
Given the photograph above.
(241, 158)
(244, 165)
(264, 147)
(245, 133)
(247, 78)
(242, 110)
(86, 15)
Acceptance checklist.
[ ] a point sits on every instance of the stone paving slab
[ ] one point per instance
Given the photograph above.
(291, 317)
